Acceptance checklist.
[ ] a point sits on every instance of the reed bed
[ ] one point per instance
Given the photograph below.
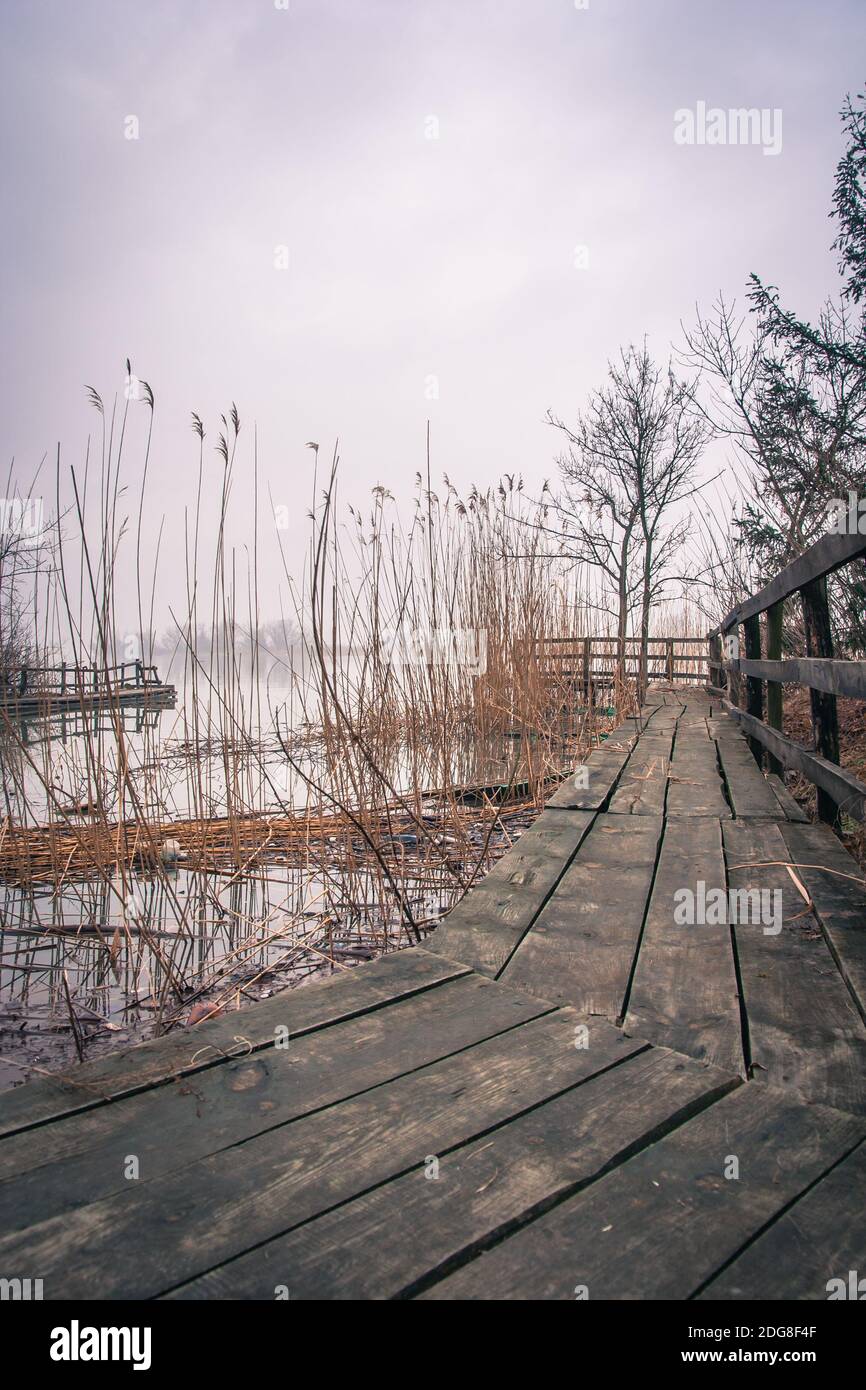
(153, 864)
(43, 854)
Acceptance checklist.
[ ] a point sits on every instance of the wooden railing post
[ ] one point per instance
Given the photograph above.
(670, 661)
(734, 679)
(714, 662)
(587, 667)
(825, 718)
(774, 688)
(754, 685)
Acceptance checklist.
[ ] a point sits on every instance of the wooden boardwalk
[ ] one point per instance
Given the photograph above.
(54, 692)
(567, 1091)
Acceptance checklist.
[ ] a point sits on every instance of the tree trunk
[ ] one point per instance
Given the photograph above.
(622, 618)
(644, 622)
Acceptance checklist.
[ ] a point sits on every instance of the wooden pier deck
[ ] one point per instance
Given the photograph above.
(63, 691)
(566, 1092)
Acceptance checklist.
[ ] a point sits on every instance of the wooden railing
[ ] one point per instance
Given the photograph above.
(593, 663)
(67, 679)
(766, 673)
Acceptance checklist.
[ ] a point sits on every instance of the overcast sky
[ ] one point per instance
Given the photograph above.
(414, 263)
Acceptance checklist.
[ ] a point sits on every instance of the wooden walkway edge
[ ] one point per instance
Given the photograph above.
(629, 1065)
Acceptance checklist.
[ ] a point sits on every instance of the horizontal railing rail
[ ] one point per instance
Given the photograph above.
(67, 679)
(825, 557)
(590, 662)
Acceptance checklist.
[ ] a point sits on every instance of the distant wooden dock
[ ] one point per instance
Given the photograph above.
(49, 692)
(564, 1093)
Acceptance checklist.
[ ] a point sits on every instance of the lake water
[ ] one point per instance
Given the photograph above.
(91, 961)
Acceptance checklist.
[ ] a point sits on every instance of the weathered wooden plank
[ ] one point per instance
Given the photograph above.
(748, 791)
(485, 927)
(185, 1051)
(804, 1031)
(695, 782)
(694, 724)
(664, 1223)
(822, 1238)
(788, 806)
(642, 788)
(662, 720)
(67, 1164)
(684, 992)
(223, 1205)
(590, 787)
(581, 949)
(387, 1242)
(836, 886)
(725, 727)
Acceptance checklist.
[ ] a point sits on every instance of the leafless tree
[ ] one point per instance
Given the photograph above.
(630, 458)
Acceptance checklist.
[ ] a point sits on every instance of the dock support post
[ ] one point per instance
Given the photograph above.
(754, 685)
(825, 718)
(734, 679)
(717, 675)
(774, 688)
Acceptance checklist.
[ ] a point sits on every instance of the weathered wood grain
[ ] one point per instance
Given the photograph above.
(834, 676)
(642, 788)
(695, 783)
(223, 1205)
(749, 793)
(846, 790)
(804, 1031)
(581, 949)
(603, 767)
(821, 1238)
(837, 888)
(790, 809)
(62, 1166)
(388, 1241)
(664, 1223)
(484, 928)
(684, 992)
(186, 1051)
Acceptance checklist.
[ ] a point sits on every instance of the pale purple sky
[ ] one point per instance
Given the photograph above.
(409, 258)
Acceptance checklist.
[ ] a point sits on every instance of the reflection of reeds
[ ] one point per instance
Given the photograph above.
(234, 845)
